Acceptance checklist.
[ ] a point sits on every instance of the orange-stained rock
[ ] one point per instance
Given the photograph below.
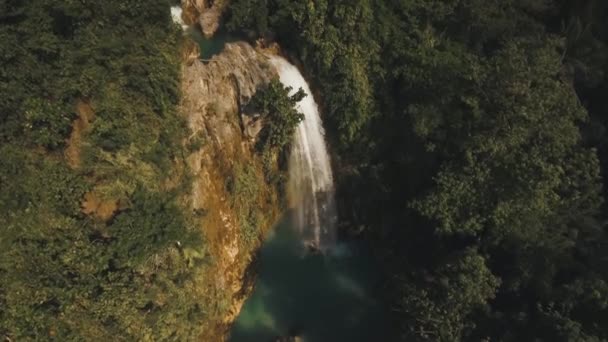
(104, 210)
(213, 96)
(80, 126)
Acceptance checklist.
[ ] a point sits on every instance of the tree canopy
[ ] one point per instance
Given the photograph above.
(471, 152)
(93, 248)
(471, 144)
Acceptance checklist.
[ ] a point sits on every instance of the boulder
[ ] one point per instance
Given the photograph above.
(208, 14)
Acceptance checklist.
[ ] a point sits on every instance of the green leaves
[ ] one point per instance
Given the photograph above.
(464, 114)
(277, 109)
(29, 182)
(505, 173)
(336, 40)
(246, 194)
(46, 122)
(249, 14)
(443, 303)
(153, 223)
(70, 276)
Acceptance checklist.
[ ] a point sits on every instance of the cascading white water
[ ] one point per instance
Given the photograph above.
(176, 15)
(311, 185)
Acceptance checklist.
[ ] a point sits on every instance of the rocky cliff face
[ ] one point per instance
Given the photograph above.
(221, 145)
(206, 13)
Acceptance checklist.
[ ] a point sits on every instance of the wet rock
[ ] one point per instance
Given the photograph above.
(214, 94)
(252, 125)
(190, 52)
(190, 12)
(207, 13)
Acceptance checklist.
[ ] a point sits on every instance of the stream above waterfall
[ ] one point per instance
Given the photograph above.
(209, 47)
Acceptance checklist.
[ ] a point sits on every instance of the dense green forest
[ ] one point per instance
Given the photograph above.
(469, 136)
(470, 139)
(120, 265)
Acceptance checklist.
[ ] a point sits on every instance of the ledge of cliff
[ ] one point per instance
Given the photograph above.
(234, 205)
(206, 13)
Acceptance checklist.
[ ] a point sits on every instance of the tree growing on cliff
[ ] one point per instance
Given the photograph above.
(277, 109)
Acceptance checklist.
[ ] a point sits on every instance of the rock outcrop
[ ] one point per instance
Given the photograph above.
(207, 13)
(213, 96)
(190, 52)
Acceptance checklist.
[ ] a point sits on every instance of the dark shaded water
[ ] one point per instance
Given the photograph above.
(319, 298)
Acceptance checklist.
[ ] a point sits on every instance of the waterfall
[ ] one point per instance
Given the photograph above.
(176, 15)
(310, 186)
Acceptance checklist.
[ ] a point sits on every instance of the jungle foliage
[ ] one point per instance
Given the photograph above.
(277, 108)
(471, 138)
(471, 143)
(68, 273)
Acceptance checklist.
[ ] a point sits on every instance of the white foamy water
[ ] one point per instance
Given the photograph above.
(176, 14)
(311, 184)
